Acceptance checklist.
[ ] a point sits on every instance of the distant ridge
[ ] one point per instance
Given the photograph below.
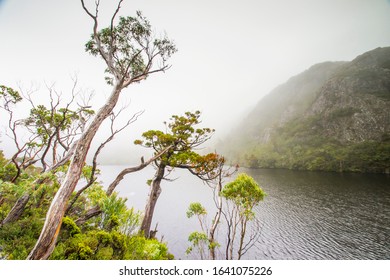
(335, 116)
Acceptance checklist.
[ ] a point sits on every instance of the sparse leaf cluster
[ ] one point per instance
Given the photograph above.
(240, 196)
(182, 138)
(129, 48)
(41, 177)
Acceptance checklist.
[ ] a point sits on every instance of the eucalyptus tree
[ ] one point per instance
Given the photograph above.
(47, 133)
(242, 195)
(131, 53)
(180, 139)
(55, 129)
(46, 136)
(199, 240)
(236, 202)
(9, 98)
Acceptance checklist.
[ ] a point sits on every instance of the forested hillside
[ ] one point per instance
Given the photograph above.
(335, 116)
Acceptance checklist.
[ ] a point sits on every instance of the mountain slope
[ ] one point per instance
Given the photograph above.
(335, 116)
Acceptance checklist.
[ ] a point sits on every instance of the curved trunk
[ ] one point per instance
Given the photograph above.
(216, 220)
(153, 196)
(17, 209)
(242, 237)
(46, 242)
(93, 212)
(20, 204)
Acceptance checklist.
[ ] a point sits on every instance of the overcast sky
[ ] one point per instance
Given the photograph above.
(231, 53)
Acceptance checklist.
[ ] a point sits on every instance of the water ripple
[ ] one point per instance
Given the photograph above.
(324, 216)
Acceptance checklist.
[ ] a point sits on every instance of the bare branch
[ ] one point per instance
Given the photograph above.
(115, 14)
(94, 17)
(96, 210)
(92, 177)
(253, 238)
(47, 239)
(129, 170)
(107, 57)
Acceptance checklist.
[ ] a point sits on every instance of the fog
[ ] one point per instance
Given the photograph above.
(231, 53)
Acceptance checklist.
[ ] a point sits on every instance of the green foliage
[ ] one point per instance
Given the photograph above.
(111, 235)
(7, 169)
(244, 192)
(3, 160)
(180, 139)
(181, 134)
(70, 226)
(7, 172)
(343, 113)
(196, 209)
(45, 132)
(18, 238)
(197, 237)
(103, 245)
(131, 45)
(115, 214)
(9, 95)
(46, 123)
(199, 241)
(147, 249)
(301, 145)
(87, 172)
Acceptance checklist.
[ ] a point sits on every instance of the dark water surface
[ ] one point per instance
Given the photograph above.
(312, 215)
(306, 215)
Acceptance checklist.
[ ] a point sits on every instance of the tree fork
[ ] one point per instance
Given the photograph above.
(46, 242)
(19, 206)
(93, 212)
(123, 74)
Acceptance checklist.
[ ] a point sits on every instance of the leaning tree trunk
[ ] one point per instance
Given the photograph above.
(17, 209)
(242, 237)
(46, 242)
(216, 220)
(19, 206)
(153, 196)
(93, 212)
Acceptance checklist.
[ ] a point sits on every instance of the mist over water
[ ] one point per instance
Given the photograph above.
(228, 58)
(306, 215)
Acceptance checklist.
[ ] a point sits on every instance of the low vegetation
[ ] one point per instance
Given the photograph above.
(111, 235)
(299, 146)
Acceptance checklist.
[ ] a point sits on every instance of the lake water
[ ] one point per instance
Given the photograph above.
(306, 215)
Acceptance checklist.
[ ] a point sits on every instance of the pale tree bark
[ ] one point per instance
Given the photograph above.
(216, 219)
(92, 178)
(17, 210)
(27, 155)
(129, 170)
(152, 201)
(253, 238)
(130, 62)
(237, 228)
(206, 175)
(221, 175)
(244, 222)
(93, 212)
(46, 242)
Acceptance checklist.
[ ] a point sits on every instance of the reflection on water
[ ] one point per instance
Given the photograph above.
(306, 215)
